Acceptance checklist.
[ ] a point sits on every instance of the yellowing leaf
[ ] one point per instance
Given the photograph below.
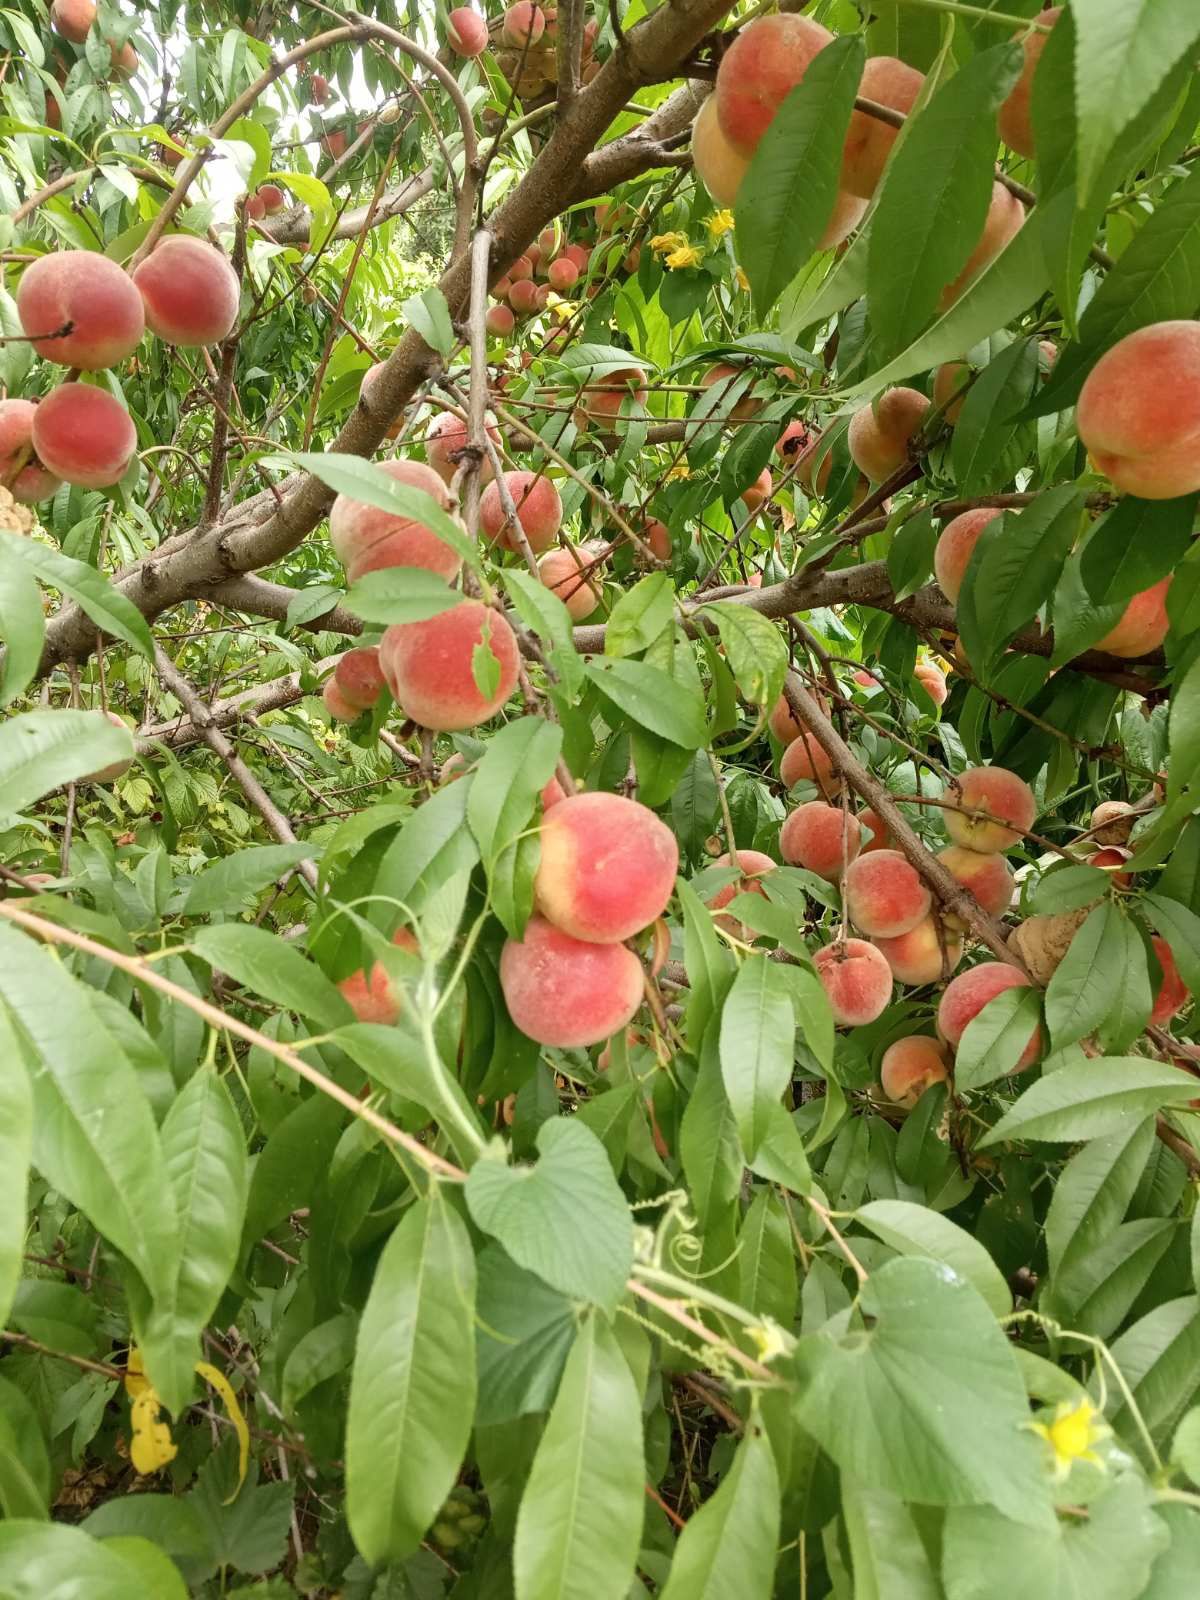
(221, 1384)
(151, 1446)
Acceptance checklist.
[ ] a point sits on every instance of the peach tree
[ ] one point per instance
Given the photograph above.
(599, 879)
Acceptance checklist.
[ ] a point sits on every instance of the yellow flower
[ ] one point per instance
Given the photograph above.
(742, 281)
(663, 243)
(686, 256)
(719, 224)
(770, 1340)
(679, 470)
(1072, 1434)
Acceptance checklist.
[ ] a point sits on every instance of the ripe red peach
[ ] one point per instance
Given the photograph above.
(447, 436)
(758, 493)
(1016, 123)
(1004, 219)
(190, 291)
(429, 666)
(912, 1065)
(1112, 856)
(884, 895)
(805, 760)
(657, 536)
(1143, 626)
(566, 992)
(726, 377)
(552, 793)
(604, 398)
(539, 509)
(20, 470)
(762, 66)
(369, 378)
(878, 837)
(848, 211)
(339, 708)
(524, 23)
(521, 270)
(752, 864)
(255, 207)
(719, 166)
(857, 980)
(793, 441)
(272, 197)
(117, 769)
(783, 722)
(932, 681)
(821, 838)
(1172, 992)
(500, 321)
(84, 436)
(124, 59)
(72, 19)
(607, 867)
(372, 996)
(85, 291)
(949, 389)
(879, 435)
(359, 676)
(1138, 413)
(562, 274)
(999, 793)
(366, 538)
(869, 141)
(523, 296)
(577, 254)
(965, 997)
(915, 957)
(988, 877)
(466, 32)
(955, 546)
(573, 575)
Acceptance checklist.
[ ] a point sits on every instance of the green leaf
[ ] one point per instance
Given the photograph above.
(709, 1147)
(1135, 545)
(22, 625)
(289, 1166)
(987, 426)
(412, 1392)
(640, 615)
(41, 750)
(1093, 1193)
(429, 314)
(311, 602)
(533, 1212)
(1089, 1099)
(755, 649)
(322, 1353)
(788, 193)
(1159, 1358)
(272, 968)
(108, 608)
(1081, 991)
(1122, 55)
(16, 1148)
(24, 1459)
(1096, 1295)
(728, 1547)
(927, 1394)
(887, 1553)
(916, 1231)
(367, 482)
(43, 1559)
(1067, 887)
(526, 1330)
(767, 1260)
(910, 557)
(995, 1040)
(1174, 1575)
(935, 194)
(247, 1528)
(399, 595)
(232, 880)
(1012, 570)
(516, 765)
(580, 1520)
(541, 610)
(758, 1028)
(652, 699)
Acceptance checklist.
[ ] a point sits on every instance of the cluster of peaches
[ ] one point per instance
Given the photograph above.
(79, 309)
(73, 19)
(527, 41)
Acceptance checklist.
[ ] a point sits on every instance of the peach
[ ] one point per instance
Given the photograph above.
(73, 19)
(318, 89)
(912, 1065)
(539, 510)
(865, 679)
(607, 867)
(1111, 822)
(87, 293)
(1016, 124)
(124, 60)
(499, 321)
(367, 539)
(987, 877)
(848, 211)
(884, 895)
(794, 441)
(807, 462)
(524, 23)
(965, 997)
(605, 398)
(806, 760)
(447, 436)
(190, 291)
(272, 197)
(369, 378)
(566, 992)
(20, 470)
(915, 957)
(466, 32)
(752, 864)
(1004, 220)
(758, 493)
(339, 708)
(373, 997)
(998, 793)
(1112, 856)
(1143, 625)
(821, 838)
(657, 536)
(359, 676)
(869, 141)
(562, 274)
(118, 769)
(430, 666)
(523, 296)
(552, 793)
(762, 66)
(1138, 413)
(878, 837)
(726, 377)
(521, 270)
(84, 436)
(255, 207)
(956, 543)
(718, 165)
(1172, 992)
(783, 722)
(572, 575)
(857, 980)
(879, 435)
(949, 389)
(334, 144)
(932, 681)
(577, 254)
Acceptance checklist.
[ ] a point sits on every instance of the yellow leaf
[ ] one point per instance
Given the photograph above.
(221, 1384)
(151, 1446)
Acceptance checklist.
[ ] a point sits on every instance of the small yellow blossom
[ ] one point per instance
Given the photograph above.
(719, 224)
(770, 1340)
(663, 243)
(679, 470)
(686, 256)
(1072, 1434)
(742, 281)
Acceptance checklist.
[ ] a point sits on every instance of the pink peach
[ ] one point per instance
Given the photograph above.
(189, 290)
(430, 667)
(366, 538)
(884, 895)
(910, 1066)
(85, 292)
(965, 997)
(821, 838)
(539, 510)
(1002, 796)
(84, 436)
(565, 992)
(607, 867)
(857, 980)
